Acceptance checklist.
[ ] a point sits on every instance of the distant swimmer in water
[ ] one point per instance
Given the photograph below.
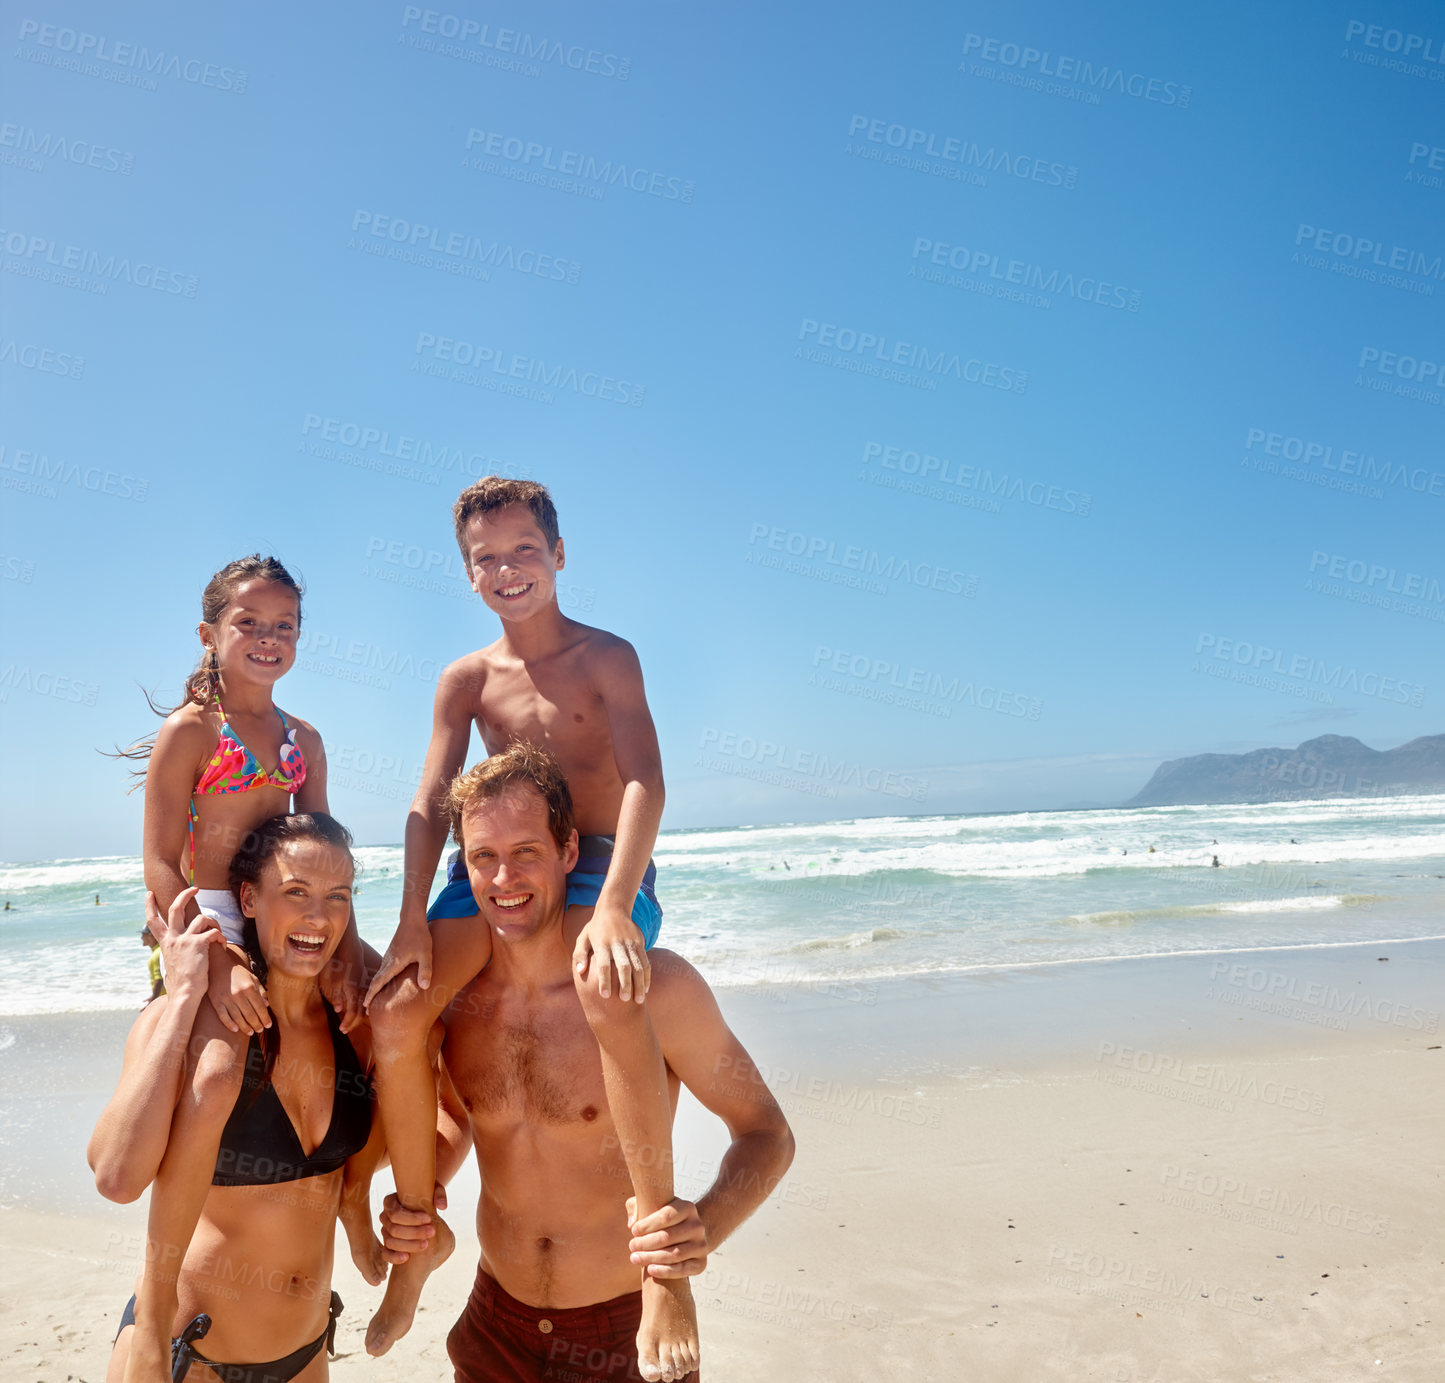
(1293, 841)
(787, 866)
(1153, 851)
(1216, 864)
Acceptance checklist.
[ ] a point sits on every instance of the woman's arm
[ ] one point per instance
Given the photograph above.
(130, 1137)
(208, 1093)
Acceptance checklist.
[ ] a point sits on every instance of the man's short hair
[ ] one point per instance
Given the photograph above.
(520, 764)
(493, 492)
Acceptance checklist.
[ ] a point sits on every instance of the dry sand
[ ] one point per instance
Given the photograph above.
(1200, 1168)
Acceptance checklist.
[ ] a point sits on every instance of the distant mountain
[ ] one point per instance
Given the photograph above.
(1329, 766)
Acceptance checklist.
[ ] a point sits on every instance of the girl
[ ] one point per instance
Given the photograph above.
(245, 1139)
(209, 782)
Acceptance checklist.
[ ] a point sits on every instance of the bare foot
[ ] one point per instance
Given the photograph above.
(366, 1250)
(667, 1348)
(403, 1290)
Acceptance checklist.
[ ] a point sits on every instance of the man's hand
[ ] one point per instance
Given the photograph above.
(404, 1232)
(611, 938)
(671, 1242)
(185, 949)
(410, 946)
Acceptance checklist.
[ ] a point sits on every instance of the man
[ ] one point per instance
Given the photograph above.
(557, 1292)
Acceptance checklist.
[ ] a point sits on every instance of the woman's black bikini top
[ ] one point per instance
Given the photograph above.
(259, 1146)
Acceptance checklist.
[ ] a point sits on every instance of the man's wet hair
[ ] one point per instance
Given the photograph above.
(521, 764)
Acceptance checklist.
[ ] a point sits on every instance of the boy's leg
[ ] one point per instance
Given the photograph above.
(402, 1016)
(636, 1079)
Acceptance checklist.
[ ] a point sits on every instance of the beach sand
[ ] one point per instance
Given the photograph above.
(1149, 1171)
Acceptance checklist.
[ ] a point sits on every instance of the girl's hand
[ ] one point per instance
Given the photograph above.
(410, 946)
(343, 992)
(236, 994)
(185, 949)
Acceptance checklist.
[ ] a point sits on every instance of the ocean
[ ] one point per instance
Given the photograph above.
(849, 903)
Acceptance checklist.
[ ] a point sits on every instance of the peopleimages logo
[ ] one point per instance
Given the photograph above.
(530, 155)
(490, 42)
(910, 142)
(480, 360)
(39, 250)
(1018, 273)
(123, 61)
(940, 471)
(419, 242)
(340, 439)
(1021, 57)
(1261, 441)
(873, 351)
(85, 153)
(1265, 663)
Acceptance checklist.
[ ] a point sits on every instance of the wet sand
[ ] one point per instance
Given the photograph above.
(1148, 1171)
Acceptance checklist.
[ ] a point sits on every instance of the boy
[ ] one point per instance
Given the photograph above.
(577, 691)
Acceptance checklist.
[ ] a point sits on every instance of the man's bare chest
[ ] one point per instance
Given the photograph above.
(528, 1068)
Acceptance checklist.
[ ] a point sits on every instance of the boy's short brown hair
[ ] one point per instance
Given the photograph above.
(520, 764)
(493, 492)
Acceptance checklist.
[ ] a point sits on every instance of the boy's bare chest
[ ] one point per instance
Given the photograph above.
(554, 706)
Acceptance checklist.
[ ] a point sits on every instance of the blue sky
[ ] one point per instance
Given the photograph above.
(1113, 560)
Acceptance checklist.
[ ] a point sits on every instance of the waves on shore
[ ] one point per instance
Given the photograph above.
(870, 898)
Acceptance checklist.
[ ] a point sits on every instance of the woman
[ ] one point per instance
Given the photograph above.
(244, 1138)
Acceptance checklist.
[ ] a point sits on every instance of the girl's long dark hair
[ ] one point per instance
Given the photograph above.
(258, 849)
(203, 686)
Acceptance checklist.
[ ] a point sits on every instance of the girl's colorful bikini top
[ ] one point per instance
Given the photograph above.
(233, 768)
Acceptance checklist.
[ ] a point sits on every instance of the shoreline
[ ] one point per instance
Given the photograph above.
(1119, 1173)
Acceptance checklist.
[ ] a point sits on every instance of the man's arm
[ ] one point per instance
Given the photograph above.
(428, 821)
(617, 676)
(710, 1061)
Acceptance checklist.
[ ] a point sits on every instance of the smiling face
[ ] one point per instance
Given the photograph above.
(517, 872)
(302, 904)
(255, 635)
(512, 568)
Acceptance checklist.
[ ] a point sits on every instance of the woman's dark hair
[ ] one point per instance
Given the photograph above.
(203, 686)
(258, 849)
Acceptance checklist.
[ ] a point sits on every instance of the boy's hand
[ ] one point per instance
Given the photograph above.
(342, 990)
(410, 946)
(611, 938)
(236, 994)
(185, 949)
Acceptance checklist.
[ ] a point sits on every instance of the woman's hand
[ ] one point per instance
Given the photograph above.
(185, 948)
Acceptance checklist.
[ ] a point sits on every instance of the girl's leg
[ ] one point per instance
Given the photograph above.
(402, 1017)
(636, 1079)
(355, 1209)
